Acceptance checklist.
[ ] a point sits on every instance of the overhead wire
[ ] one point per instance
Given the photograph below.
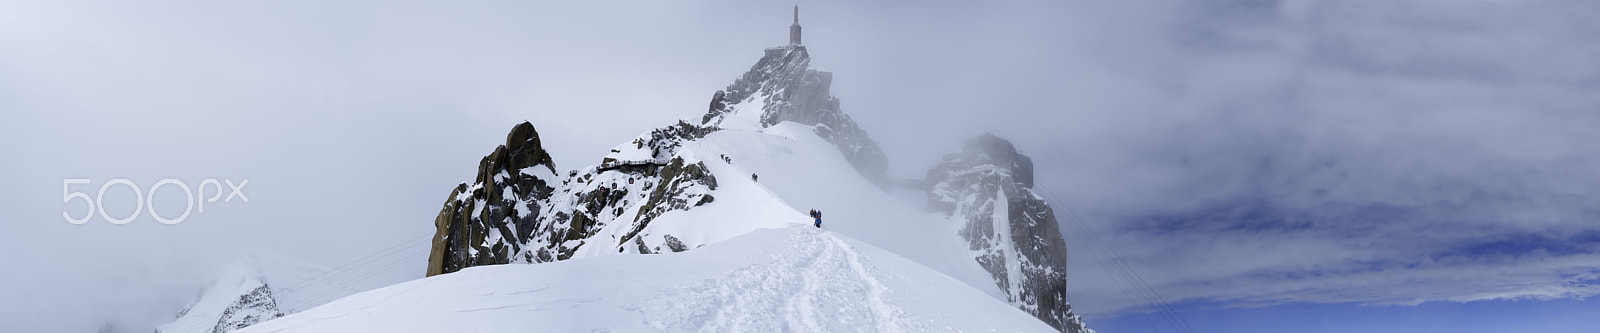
(1100, 256)
(389, 255)
(358, 262)
(338, 288)
(1111, 262)
(1165, 310)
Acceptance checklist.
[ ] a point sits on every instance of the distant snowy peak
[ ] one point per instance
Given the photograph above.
(238, 299)
(783, 86)
(1010, 229)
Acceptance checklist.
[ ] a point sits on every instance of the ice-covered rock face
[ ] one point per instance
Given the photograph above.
(1011, 230)
(481, 222)
(789, 90)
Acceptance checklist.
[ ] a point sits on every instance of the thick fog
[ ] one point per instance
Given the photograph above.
(1240, 152)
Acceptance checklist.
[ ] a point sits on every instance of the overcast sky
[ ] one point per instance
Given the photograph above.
(1236, 153)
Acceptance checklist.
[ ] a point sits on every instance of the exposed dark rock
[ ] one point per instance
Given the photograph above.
(988, 180)
(642, 248)
(251, 308)
(676, 178)
(509, 183)
(719, 104)
(674, 244)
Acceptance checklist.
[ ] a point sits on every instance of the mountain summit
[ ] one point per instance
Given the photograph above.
(786, 88)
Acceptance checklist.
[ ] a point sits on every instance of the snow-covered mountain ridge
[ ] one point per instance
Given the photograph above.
(520, 209)
(772, 145)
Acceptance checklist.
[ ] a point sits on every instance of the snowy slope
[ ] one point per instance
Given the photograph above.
(794, 278)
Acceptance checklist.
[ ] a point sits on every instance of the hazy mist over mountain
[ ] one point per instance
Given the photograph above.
(1256, 154)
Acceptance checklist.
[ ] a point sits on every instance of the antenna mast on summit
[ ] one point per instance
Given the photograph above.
(794, 29)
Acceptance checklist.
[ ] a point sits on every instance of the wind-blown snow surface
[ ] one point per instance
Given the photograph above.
(794, 278)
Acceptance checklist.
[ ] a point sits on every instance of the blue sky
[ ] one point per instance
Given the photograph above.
(1498, 285)
(1555, 316)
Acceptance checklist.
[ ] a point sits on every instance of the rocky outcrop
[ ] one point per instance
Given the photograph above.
(485, 222)
(1011, 230)
(677, 179)
(520, 209)
(1003, 154)
(791, 91)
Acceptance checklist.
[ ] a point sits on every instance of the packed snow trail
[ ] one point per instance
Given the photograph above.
(821, 286)
(875, 289)
(806, 172)
(792, 279)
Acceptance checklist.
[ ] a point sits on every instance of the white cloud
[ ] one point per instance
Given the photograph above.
(1344, 151)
